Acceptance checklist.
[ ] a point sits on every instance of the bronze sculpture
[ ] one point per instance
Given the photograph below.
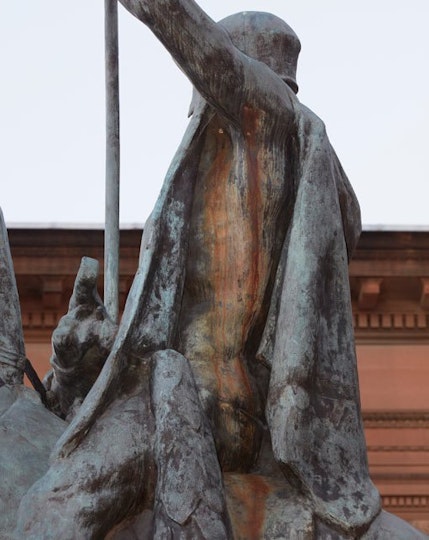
(228, 406)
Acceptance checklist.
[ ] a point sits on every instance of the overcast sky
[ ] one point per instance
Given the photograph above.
(363, 70)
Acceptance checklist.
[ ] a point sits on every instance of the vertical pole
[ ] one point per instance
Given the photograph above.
(111, 235)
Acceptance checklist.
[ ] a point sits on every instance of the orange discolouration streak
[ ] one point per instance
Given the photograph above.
(255, 207)
(247, 500)
(233, 208)
(233, 268)
(228, 268)
(219, 222)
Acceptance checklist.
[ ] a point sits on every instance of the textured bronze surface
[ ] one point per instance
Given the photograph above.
(228, 406)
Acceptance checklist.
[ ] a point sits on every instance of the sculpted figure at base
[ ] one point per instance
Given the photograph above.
(228, 406)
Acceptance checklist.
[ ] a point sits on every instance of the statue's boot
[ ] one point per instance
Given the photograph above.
(190, 501)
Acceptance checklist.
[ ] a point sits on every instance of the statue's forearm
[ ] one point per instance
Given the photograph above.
(202, 48)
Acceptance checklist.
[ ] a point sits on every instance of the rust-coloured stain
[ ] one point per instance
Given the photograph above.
(231, 251)
(247, 500)
(232, 220)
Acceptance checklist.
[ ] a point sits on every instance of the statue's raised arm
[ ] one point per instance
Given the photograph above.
(213, 59)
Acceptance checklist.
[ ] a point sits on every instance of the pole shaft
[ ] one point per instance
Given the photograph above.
(111, 238)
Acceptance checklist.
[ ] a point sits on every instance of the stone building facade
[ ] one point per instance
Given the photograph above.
(389, 279)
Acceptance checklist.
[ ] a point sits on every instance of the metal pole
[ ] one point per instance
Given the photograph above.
(111, 235)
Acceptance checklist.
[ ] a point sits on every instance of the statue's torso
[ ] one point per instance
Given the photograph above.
(235, 240)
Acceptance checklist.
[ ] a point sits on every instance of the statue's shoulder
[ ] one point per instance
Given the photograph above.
(308, 121)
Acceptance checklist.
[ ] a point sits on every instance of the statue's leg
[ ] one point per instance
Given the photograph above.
(190, 500)
(109, 477)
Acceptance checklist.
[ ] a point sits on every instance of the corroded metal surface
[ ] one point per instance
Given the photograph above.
(228, 406)
(233, 250)
(267, 507)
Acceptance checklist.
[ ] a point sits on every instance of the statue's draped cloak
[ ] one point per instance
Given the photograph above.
(313, 406)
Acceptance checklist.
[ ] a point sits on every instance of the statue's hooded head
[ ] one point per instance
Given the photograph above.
(266, 38)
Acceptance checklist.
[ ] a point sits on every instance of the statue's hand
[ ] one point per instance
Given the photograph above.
(81, 342)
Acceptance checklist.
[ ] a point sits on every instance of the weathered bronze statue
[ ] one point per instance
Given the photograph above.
(228, 406)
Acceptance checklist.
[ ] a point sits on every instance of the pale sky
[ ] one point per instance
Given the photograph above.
(362, 69)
